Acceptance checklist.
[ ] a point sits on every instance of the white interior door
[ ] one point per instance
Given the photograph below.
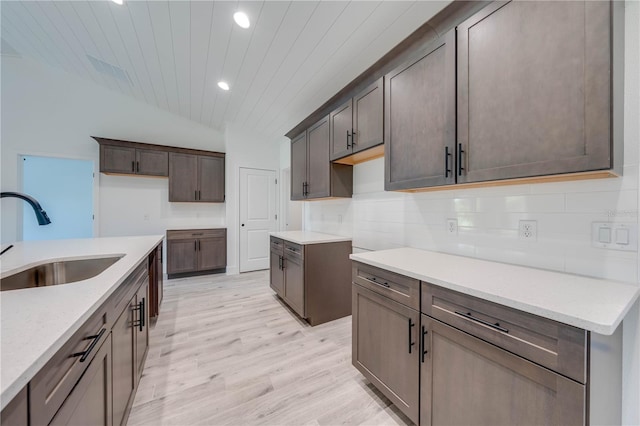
(257, 217)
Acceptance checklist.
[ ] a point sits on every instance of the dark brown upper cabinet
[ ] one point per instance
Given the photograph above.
(196, 178)
(357, 125)
(313, 176)
(420, 118)
(535, 90)
(121, 157)
(299, 167)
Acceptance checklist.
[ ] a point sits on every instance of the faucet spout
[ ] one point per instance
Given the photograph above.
(41, 215)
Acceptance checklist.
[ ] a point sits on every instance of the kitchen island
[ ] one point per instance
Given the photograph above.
(37, 322)
(310, 272)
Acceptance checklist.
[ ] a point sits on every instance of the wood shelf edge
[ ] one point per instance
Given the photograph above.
(362, 156)
(599, 174)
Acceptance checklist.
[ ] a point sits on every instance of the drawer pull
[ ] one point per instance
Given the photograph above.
(85, 354)
(411, 325)
(383, 284)
(487, 323)
(197, 233)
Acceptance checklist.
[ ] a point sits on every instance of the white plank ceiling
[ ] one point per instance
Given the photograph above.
(171, 54)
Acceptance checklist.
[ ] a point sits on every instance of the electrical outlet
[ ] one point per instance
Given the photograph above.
(452, 226)
(528, 230)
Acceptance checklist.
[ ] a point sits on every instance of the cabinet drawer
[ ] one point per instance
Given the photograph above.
(554, 345)
(277, 245)
(293, 250)
(394, 286)
(55, 381)
(196, 233)
(121, 297)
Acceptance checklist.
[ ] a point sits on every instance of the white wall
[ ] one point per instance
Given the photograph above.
(48, 112)
(244, 149)
(488, 219)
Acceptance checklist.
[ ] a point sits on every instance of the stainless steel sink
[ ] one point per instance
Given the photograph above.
(55, 273)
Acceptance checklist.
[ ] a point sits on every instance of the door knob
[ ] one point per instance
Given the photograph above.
(243, 224)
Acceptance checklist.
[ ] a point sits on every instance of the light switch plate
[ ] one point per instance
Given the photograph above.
(615, 236)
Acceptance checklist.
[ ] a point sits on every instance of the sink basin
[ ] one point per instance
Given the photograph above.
(54, 273)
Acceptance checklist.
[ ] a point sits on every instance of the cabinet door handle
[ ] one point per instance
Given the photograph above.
(195, 245)
(460, 152)
(137, 166)
(283, 267)
(411, 325)
(447, 154)
(142, 312)
(423, 345)
(85, 354)
(199, 195)
(133, 166)
(348, 136)
(481, 321)
(353, 138)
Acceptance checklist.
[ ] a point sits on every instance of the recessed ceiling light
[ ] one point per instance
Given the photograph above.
(241, 19)
(223, 85)
(118, 2)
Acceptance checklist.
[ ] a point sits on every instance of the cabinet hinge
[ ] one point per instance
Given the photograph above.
(276, 217)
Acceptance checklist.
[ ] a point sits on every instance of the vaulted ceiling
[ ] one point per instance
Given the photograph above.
(171, 54)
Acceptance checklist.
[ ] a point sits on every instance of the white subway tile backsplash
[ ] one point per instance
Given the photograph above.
(609, 203)
(522, 203)
(488, 220)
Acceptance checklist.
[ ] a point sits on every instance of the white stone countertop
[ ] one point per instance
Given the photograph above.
(308, 237)
(36, 322)
(589, 303)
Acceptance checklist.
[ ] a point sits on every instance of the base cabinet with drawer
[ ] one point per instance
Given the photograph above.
(90, 401)
(196, 251)
(93, 378)
(443, 357)
(312, 279)
(465, 380)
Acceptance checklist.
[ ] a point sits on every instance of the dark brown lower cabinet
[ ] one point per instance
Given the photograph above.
(130, 344)
(463, 360)
(155, 281)
(17, 411)
(123, 335)
(465, 380)
(90, 401)
(196, 251)
(141, 326)
(294, 279)
(276, 268)
(313, 279)
(385, 348)
(93, 378)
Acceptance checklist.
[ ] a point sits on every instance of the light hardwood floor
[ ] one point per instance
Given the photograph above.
(226, 351)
